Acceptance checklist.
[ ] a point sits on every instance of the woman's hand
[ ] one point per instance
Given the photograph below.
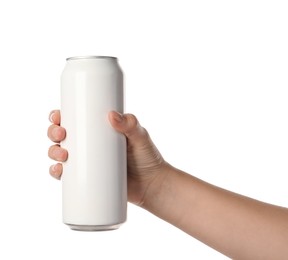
(145, 163)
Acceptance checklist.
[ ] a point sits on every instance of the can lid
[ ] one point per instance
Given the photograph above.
(91, 57)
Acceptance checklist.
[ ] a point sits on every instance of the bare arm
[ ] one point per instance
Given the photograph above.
(237, 226)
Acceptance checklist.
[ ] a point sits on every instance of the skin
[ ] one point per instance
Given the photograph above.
(237, 226)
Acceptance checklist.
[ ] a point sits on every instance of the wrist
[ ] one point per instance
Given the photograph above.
(155, 195)
(168, 194)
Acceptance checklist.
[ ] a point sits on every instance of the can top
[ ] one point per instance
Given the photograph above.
(91, 57)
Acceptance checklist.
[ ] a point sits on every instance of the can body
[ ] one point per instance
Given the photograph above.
(94, 179)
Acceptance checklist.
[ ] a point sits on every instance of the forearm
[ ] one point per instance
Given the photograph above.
(237, 226)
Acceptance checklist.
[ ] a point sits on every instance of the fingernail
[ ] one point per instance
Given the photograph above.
(118, 117)
(51, 116)
(53, 168)
(53, 172)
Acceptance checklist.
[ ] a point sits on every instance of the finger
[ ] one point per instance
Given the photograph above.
(55, 117)
(57, 153)
(56, 133)
(56, 170)
(128, 125)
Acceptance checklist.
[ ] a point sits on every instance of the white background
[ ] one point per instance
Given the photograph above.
(208, 79)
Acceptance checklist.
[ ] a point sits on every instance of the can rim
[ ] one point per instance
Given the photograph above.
(91, 57)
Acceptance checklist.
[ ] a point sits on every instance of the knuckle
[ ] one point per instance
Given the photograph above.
(51, 151)
(50, 155)
(144, 132)
(49, 131)
(132, 121)
(57, 133)
(64, 155)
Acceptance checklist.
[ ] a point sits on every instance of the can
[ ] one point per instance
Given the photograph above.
(94, 178)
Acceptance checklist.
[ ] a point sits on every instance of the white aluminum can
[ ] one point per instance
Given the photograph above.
(94, 179)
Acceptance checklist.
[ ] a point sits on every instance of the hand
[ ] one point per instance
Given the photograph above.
(145, 163)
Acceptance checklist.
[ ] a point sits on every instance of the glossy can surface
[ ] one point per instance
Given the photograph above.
(94, 179)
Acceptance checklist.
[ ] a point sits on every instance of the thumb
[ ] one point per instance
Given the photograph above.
(128, 125)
